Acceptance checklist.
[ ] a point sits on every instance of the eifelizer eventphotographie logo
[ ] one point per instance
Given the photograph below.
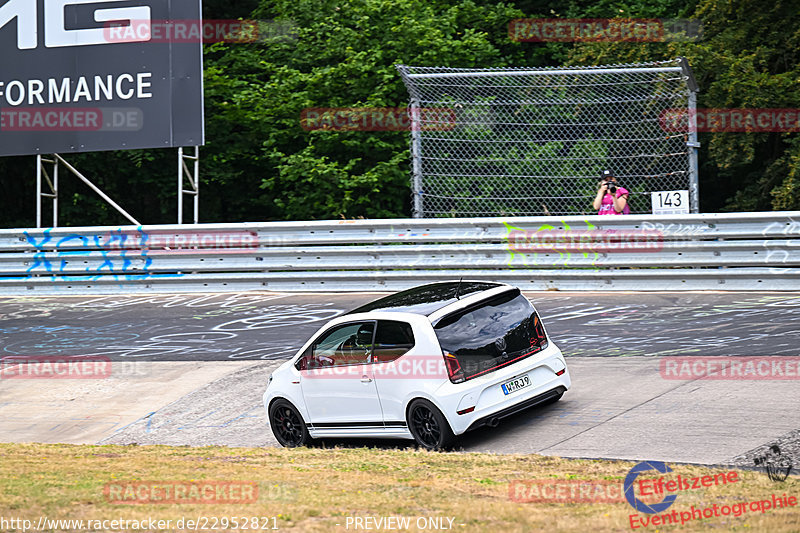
(666, 487)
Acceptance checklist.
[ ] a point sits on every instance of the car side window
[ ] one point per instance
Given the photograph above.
(392, 340)
(348, 344)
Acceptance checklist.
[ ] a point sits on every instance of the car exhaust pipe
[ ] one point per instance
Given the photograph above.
(493, 422)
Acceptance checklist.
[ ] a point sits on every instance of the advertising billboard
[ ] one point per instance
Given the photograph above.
(91, 75)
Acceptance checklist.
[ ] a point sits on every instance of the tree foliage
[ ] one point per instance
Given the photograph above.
(748, 57)
(343, 55)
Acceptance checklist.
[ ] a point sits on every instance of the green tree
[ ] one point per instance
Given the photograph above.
(342, 55)
(748, 57)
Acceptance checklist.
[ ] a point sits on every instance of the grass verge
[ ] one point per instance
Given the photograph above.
(327, 489)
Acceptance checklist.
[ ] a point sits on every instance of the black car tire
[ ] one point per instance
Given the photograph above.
(429, 426)
(287, 425)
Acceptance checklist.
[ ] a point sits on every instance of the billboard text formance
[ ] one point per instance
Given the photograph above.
(67, 86)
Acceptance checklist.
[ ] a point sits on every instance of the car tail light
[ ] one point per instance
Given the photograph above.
(467, 410)
(454, 371)
(539, 339)
(561, 371)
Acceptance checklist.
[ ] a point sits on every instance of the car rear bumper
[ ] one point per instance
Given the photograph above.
(492, 419)
(487, 400)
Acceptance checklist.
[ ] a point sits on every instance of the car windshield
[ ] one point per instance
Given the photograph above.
(492, 334)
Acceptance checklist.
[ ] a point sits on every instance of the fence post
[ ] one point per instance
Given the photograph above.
(416, 160)
(692, 143)
(694, 146)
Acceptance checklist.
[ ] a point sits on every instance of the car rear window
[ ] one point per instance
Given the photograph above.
(492, 334)
(392, 340)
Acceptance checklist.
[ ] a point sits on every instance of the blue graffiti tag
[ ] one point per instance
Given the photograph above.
(120, 253)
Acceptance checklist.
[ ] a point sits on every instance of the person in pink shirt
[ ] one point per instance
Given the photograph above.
(611, 199)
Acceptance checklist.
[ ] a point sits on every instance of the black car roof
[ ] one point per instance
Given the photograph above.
(425, 299)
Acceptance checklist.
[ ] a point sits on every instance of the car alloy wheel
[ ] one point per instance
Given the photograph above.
(429, 426)
(288, 425)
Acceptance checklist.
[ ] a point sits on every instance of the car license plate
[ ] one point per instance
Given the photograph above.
(516, 384)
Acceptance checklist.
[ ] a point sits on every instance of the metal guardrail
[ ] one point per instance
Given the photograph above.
(738, 251)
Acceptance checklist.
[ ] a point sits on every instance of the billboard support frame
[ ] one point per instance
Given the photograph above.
(53, 185)
(193, 176)
(186, 171)
(57, 159)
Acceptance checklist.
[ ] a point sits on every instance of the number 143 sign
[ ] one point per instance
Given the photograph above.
(670, 202)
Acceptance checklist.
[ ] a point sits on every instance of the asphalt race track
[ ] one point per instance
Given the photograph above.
(190, 369)
(259, 326)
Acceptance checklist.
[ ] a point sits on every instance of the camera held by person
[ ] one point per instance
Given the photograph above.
(611, 199)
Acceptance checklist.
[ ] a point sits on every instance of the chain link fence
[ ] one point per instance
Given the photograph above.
(517, 141)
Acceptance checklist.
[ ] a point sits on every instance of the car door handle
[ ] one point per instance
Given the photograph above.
(366, 379)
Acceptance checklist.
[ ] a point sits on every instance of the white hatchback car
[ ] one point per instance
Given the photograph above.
(427, 363)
